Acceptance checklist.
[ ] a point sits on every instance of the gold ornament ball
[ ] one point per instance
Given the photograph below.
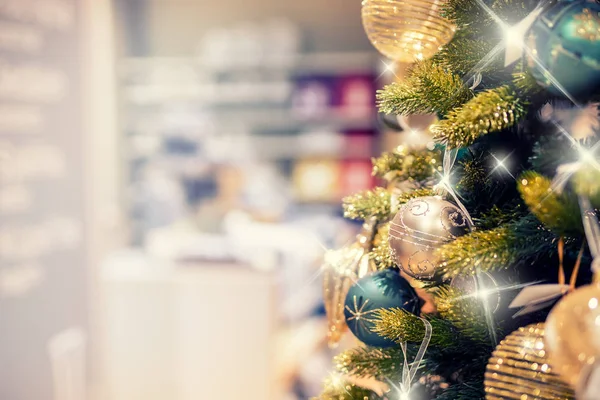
(419, 228)
(573, 333)
(519, 369)
(406, 30)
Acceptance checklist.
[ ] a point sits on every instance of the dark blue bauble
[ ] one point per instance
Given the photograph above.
(383, 289)
(565, 39)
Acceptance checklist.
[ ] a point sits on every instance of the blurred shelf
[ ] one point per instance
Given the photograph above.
(257, 119)
(210, 93)
(324, 63)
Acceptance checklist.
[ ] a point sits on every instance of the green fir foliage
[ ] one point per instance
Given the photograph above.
(371, 362)
(429, 88)
(558, 212)
(491, 111)
(369, 203)
(494, 249)
(417, 166)
(402, 326)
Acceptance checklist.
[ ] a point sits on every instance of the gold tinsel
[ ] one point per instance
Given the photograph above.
(519, 369)
(380, 254)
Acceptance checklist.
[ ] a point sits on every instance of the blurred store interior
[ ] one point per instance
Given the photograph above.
(168, 191)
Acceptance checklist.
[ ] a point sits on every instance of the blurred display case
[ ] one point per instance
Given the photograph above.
(257, 125)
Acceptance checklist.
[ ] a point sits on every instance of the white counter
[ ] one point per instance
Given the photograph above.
(195, 332)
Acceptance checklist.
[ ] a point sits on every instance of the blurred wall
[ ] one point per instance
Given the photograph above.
(174, 26)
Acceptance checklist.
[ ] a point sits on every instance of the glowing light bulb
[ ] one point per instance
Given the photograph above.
(446, 180)
(404, 396)
(336, 381)
(586, 155)
(513, 36)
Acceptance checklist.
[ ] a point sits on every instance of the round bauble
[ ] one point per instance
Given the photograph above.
(383, 289)
(406, 30)
(573, 333)
(519, 369)
(565, 47)
(421, 226)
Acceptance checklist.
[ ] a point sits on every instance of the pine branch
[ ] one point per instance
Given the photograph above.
(465, 313)
(413, 194)
(400, 325)
(526, 84)
(341, 390)
(381, 254)
(369, 203)
(464, 391)
(465, 13)
(371, 362)
(494, 249)
(464, 52)
(414, 165)
(491, 111)
(496, 216)
(513, 11)
(429, 88)
(474, 175)
(560, 213)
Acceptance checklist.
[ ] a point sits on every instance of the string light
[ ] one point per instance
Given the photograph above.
(513, 36)
(404, 396)
(501, 164)
(586, 155)
(483, 293)
(388, 69)
(336, 381)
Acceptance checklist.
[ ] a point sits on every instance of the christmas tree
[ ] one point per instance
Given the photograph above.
(473, 276)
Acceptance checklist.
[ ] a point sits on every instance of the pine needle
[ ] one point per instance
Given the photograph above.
(491, 111)
(557, 212)
(429, 88)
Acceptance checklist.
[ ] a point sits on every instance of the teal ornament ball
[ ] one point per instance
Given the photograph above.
(384, 289)
(564, 44)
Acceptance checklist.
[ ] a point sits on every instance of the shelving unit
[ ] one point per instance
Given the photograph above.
(298, 114)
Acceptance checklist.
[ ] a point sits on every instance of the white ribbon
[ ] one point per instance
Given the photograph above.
(449, 160)
(591, 226)
(563, 174)
(477, 78)
(409, 372)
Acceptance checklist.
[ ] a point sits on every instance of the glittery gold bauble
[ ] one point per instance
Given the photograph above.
(573, 333)
(519, 369)
(406, 30)
(341, 269)
(421, 226)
